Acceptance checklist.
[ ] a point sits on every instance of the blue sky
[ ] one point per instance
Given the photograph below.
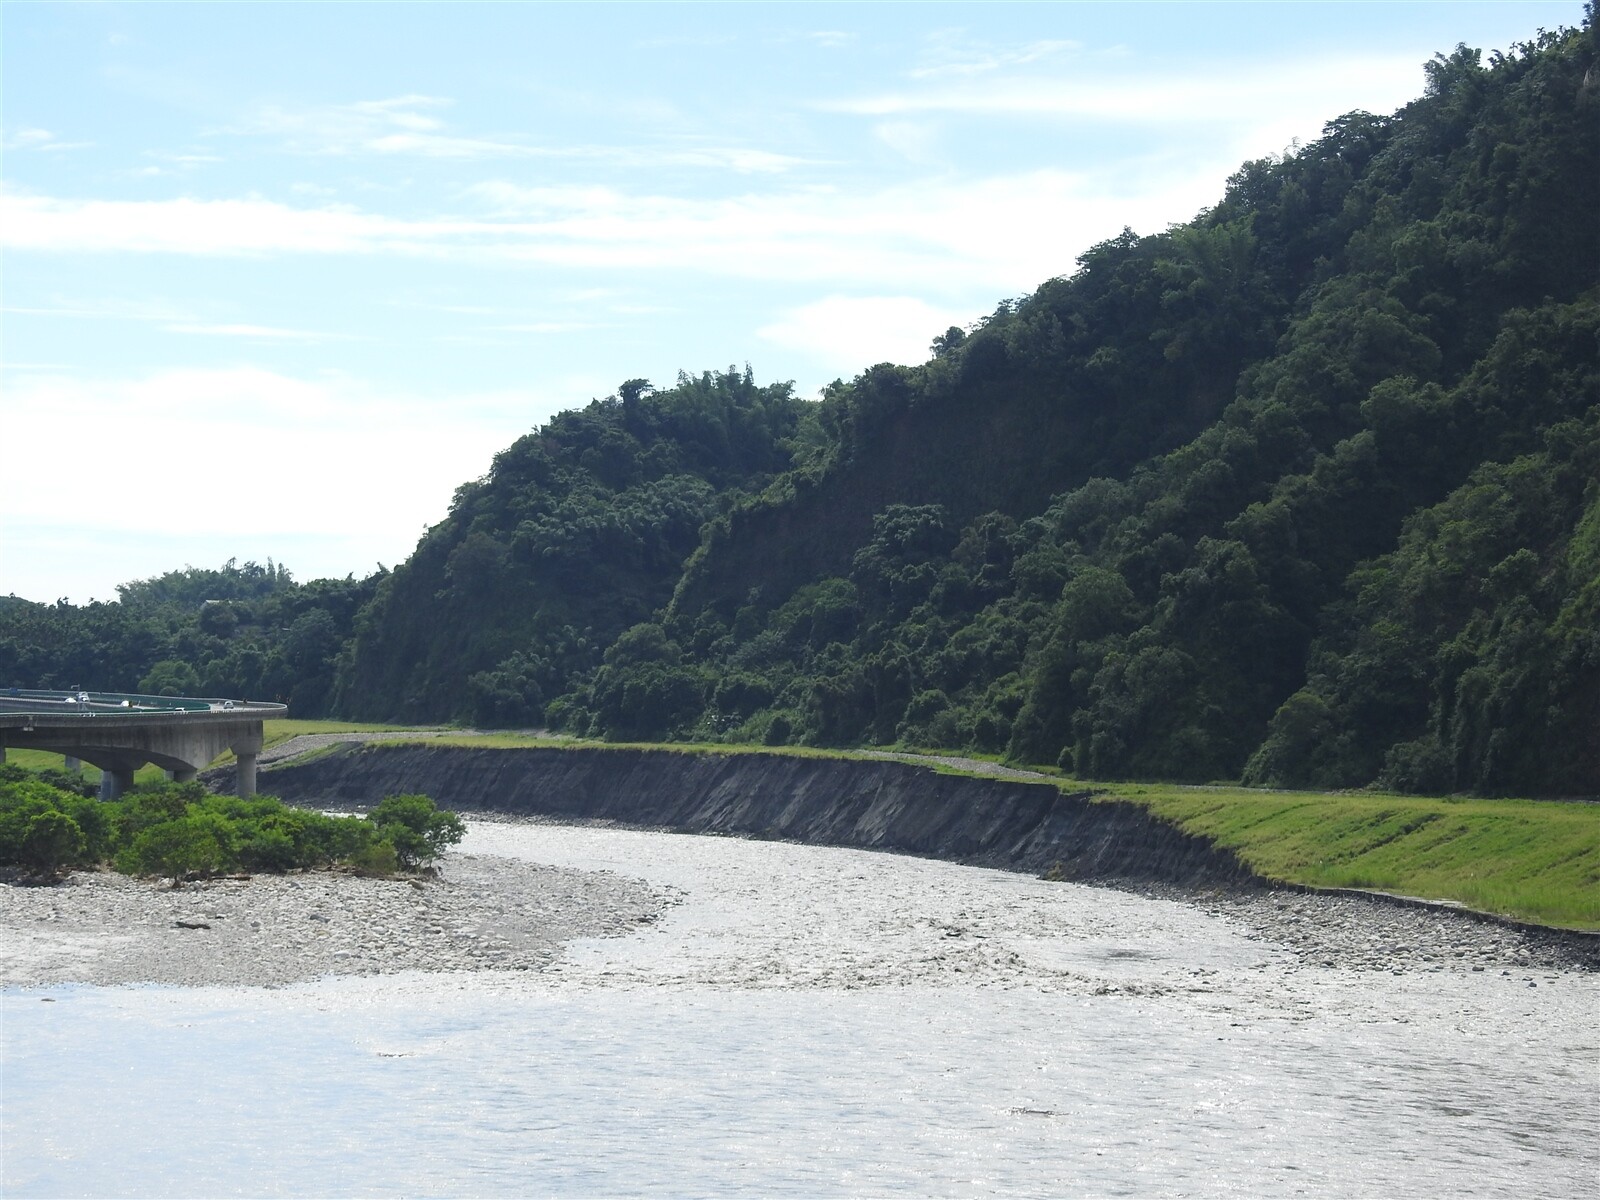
(277, 278)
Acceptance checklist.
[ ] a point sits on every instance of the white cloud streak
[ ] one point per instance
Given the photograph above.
(952, 55)
(403, 126)
(259, 332)
(1008, 232)
(41, 140)
(1322, 89)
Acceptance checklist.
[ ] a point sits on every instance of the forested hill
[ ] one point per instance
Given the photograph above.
(578, 531)
(235, 631)
(1303, 492)
(1321, 468)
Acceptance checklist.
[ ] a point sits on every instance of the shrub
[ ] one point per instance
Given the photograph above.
(417, 828)
(38, 836)
(199, 843)
(94, 821)
(144, 808)
(377, 857)
(37, 829)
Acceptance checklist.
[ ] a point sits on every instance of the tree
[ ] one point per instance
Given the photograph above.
(199, 842)
(170, 677)
(35, 833)
(417, 828)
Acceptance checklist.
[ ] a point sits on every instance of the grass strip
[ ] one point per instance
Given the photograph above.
(1535, 860)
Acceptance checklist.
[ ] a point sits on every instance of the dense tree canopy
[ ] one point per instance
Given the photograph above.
(1302, 491)
(239, 631)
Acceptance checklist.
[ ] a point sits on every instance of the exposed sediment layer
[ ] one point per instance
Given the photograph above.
(872, 805)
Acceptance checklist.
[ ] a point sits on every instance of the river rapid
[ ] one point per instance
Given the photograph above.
(805, 1021)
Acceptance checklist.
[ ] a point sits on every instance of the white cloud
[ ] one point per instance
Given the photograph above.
(184, 226)
(915, 141)
(270, 332)
(952, 54)
(104, 308)
(547, 327)
(1007, 232)
(830, 39)
(251, 453)
(405, 126)
(1219, 93)
(847, 333)
(39, 139)
(179, 163)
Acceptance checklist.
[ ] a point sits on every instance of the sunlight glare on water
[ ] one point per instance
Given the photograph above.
(640, 1069)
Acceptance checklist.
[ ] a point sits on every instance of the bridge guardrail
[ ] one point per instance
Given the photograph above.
(51, 703)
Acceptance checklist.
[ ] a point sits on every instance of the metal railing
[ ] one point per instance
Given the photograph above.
(43, 702)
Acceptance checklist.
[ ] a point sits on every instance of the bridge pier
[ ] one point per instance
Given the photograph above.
(247, 775)
(182, 774)
(114, 781)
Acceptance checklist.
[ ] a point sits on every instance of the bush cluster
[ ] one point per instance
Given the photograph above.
(180, 830)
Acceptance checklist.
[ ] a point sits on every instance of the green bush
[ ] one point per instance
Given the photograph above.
(417, 828)
(178, 830)
(196, 844)
(146, 807)
(38, 831)
(36, 835)
(377, 857)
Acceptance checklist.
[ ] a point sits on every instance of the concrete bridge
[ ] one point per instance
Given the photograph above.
(119, 732)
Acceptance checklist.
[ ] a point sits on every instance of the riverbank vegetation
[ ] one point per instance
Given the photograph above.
(1302, 493)
(50, 825)
(1532, 860)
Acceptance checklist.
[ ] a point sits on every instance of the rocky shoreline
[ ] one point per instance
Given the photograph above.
(479, 913)
(1367, 933)
(488, 913)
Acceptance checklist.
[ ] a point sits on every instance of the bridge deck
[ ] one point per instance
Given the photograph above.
(120, 732)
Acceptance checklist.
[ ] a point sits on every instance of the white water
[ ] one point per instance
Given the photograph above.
(820, 1022)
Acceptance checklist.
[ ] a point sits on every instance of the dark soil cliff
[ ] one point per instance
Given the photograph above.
(892, 806)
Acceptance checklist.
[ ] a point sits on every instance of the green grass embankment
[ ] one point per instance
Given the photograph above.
(1530, 859)
(282, 730)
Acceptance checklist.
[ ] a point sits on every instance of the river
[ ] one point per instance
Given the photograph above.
(821, 1022)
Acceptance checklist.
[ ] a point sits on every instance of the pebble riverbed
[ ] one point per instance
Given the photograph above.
(481, 912)
(488, 912)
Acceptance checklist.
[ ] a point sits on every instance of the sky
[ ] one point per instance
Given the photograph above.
(275, 279)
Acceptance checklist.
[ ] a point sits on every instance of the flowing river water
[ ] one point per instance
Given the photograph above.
(821, 1022)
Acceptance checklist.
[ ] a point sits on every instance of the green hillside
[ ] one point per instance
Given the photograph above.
(578, 531)
(1322, 469)
(1302, 493)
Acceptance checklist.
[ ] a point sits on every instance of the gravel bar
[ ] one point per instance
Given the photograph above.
(484, 912)
(480, 913)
